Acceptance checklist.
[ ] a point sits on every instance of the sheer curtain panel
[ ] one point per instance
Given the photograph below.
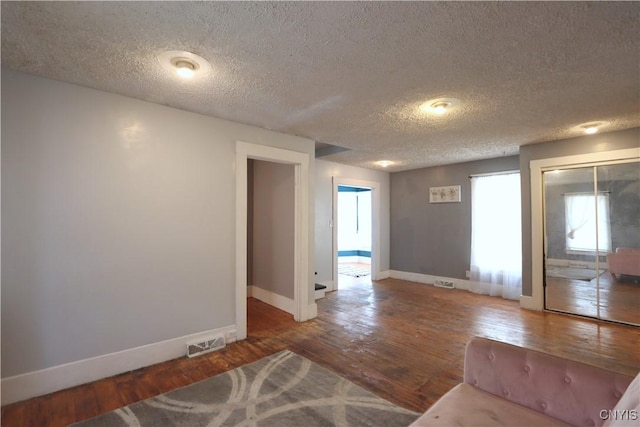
(587, 231)
(496, 235)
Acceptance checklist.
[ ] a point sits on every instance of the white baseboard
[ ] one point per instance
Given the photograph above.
(462, 284)
(313, 311)
(526, 302)
(530, 303)
(382, 275)
(37, 383)
(429, 279)
(278, 301)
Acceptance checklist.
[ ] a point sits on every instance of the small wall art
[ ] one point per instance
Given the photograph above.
(448, 194)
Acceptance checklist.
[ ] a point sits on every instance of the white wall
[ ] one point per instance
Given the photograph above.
(117, 222)
(354, 221)
(273, 227)
(324, 211)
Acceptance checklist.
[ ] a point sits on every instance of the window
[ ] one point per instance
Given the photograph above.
(496, 235)
(587, 222)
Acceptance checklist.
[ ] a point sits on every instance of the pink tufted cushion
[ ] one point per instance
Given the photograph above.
(627, 411)
(465, 405)
(570, 391)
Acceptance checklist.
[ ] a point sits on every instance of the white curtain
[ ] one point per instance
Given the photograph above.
(580, 220)
(496, 235)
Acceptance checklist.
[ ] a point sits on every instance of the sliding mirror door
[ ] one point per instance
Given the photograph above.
(619, 286)
(571, 276)
(591, 220)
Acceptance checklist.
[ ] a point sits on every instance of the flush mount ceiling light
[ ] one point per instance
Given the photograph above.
(438, 106)
(185, 67)
(186, 64)
(591, 127)
(590, 130)
(384, 163)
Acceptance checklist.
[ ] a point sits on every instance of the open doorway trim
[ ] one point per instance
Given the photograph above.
(375, 224)
(302, 280)
(536, 300)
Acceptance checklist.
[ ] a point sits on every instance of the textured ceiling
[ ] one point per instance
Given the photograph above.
(353, 74)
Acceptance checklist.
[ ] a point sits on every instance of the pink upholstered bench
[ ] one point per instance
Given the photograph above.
(506, 385)
(624, 261)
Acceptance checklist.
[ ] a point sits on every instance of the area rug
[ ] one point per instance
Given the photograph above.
(282, 390)
(353, 271)
(574, 273)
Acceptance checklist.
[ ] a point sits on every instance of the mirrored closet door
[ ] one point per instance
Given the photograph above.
(592, 241)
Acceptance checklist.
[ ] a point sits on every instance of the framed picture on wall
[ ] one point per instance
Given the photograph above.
(448, 194)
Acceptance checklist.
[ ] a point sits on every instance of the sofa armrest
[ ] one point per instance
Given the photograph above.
(570, 391)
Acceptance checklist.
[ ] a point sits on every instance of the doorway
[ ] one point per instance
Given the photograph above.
(270, 233)
(356, 230)
(353, 227)
(303, 308)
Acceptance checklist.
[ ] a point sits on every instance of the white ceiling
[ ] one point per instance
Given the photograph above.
(353, 74)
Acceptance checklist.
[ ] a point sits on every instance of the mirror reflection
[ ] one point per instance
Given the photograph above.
(592, 241)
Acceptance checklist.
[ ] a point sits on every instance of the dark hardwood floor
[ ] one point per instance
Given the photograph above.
(402, 341)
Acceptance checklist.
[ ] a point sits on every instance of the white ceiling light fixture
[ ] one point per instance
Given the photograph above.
(184, 67)
(590, 130)
(186, 64)
(439, 106)
(385, 163)
(591, 127)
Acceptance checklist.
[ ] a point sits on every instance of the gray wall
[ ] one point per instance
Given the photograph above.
(435, 238)
(629, 138)
(118, 221)
(273, 227)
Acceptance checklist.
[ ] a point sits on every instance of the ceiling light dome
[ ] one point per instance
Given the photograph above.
(439, 106)
(591, 127)
(186, 64)
(384, 163)
(184, 67)
(590, 130)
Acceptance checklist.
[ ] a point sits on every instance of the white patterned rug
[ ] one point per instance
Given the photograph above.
(353, 271)
(282, 390)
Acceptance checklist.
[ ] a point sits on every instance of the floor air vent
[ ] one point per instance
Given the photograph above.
(444, 284)
(206, 346)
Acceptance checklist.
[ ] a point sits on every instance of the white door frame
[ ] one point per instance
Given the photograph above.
(302, 279)
(536, 300)
(375, 224)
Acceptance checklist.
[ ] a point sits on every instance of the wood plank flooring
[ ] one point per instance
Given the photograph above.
(402, 341)
(619, 298)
